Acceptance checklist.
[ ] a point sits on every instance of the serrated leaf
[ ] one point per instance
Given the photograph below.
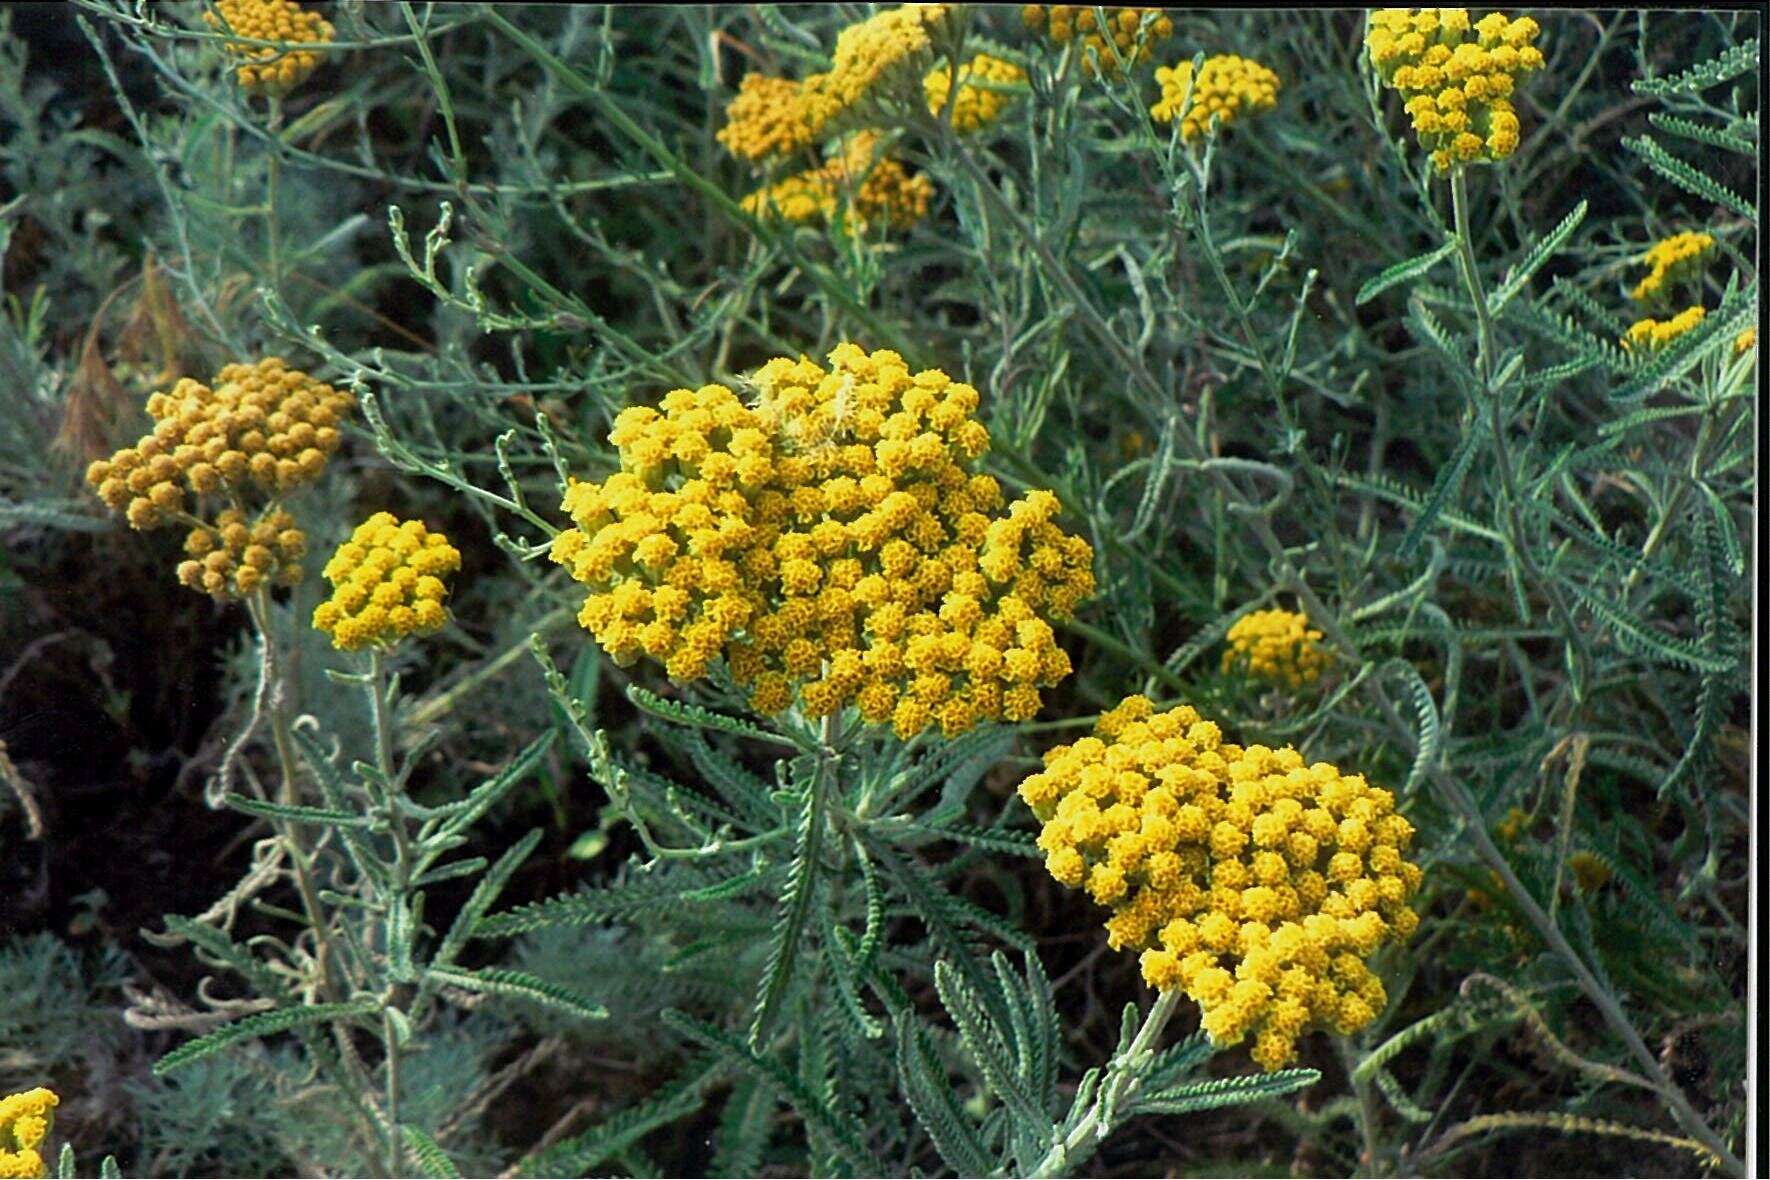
(935, 1104)
(519, 985)
(1643, 640)
(585, 1152)
(1534, 260)
(1219, 1092)
(261, 1024)
(795, 910)
(1405, 270)
(295, 813)
(431, 1159)
(1688, 176)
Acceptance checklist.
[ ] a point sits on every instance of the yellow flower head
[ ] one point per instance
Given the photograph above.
(1457, 78)
(1651, 335)
(833, 543)
(218, 461)
(387, 583)
(1276, 646)
(1228, 87)
(862, 183)
(1590, 871)
(768, 118)
(876, 61)
(25, 1120)
(1253, 883)
(1128, 37)
(1670, 260)
(269, 70)
(1745, 342)
(986, 87)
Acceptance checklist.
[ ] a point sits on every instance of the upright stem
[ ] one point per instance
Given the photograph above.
(398, 886)
(1119, 1084)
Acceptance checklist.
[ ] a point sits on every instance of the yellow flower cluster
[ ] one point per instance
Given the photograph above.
(1132, 32)
(1458, 90)
(1256, 885)
(1745, 342)
(878, 58)
(1652, 335)
(268, 70)
(1669, 260)
(767, 119)
(1227, 87)
(1277, 646)
(387, 584)
(235, 556)
(985, 90)
(234, 448)
(861, 181)
(833, 543)
(25, 1120)
(1590, 871)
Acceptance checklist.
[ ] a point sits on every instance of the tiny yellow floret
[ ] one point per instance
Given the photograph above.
(1651, 335)
(987, 85)
(1127, 39)
(1670, 260)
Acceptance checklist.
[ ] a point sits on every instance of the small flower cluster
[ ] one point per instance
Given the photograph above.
(834, 544)
(1651, 335)
(1670, 260)
(985, 91)
(1256, 885)
(1745, 342)
(1276, 646)
(268, 70)
(1127, 38)
(25, 1120)
(387, 584)
(1458, 90)
(876, 61)
(236, 449)
(1227, 87)
(860, 181)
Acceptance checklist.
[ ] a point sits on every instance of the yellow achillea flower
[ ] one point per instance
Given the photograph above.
(1652, 335)
(1669, 260)
(268, 70)
(387, 584)
(1458, 90)
(976, 105)
(871, 187)
(1253, 883)
(1745, 342)
(1132, 32)
(878, 59)
(768, 118)
(1277, 646)
(235, 449)
(25, 1120)
(1227, 87)
(834, 544)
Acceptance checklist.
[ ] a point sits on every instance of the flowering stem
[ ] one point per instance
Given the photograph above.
(1120, 1082)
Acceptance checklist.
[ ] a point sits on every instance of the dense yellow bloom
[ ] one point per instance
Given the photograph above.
(269, 70)
(875, 61)
(1132, 33)
(25, 1120)
(1227, 87)
(833, 543)
(1669, 260)
(1253, 883)
(1651, 335)
(1457, 78)
(387, 584)
(860, 181)
(768, 118)
(986, 88)
(218, 460)
(1745, 342)
(1277, 646)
